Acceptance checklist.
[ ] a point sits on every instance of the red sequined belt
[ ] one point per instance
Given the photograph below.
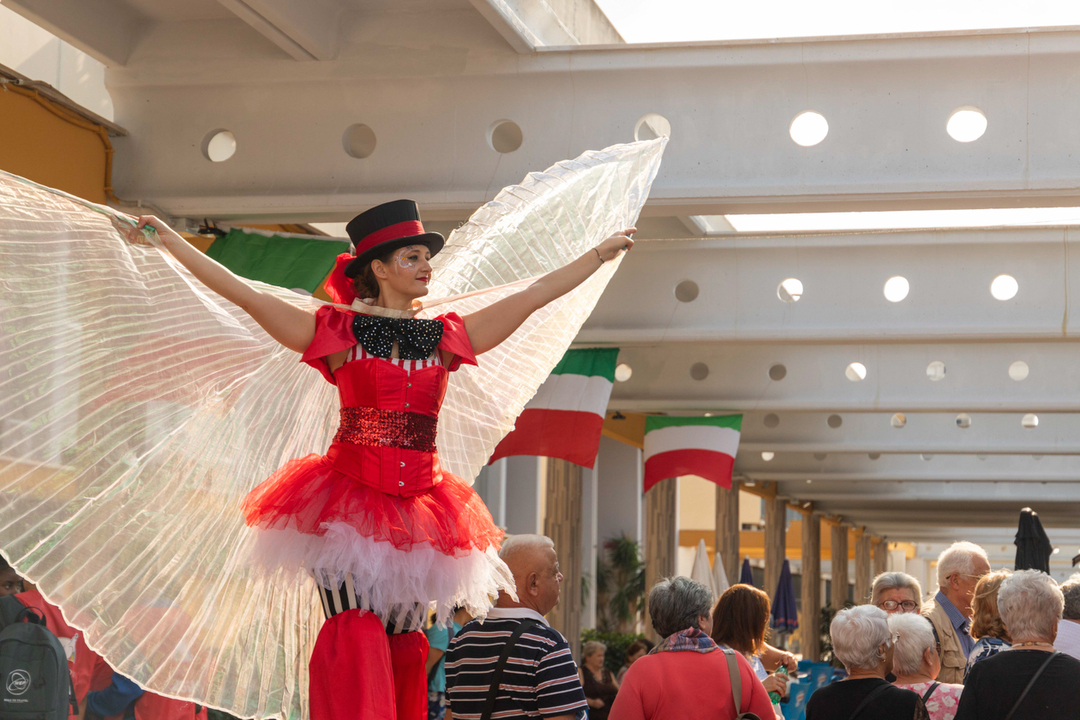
(387, 428)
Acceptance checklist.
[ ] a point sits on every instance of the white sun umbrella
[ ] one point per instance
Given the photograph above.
(702, 573)
(720, 582)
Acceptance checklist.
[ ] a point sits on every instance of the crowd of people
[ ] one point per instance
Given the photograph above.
(988, 645)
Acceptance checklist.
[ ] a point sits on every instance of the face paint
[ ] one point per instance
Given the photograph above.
(407, 259)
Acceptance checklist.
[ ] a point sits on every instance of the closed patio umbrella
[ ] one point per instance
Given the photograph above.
(785, 615)
(747, 576)
(701, 571)
(719, 575)
(1033, 548)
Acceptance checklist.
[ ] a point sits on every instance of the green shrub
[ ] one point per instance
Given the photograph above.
(615, 656)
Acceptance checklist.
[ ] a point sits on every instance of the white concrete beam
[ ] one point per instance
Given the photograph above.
(306, 31)
(1014, 494)
(733, 285)
(813, 377)
(107, 30)
(525, 24)
(432, 86)
(923, 433)
(843, 467)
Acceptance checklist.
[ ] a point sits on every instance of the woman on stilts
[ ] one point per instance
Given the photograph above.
(382, 528)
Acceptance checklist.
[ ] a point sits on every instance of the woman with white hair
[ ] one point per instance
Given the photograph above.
(862, 640)
(1031, 679)
(896, 592)
(916, 664)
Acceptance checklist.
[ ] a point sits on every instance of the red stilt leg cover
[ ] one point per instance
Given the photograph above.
(409, 652)
(351, 677)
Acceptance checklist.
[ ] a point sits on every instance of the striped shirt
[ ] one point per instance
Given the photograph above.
(540, 679)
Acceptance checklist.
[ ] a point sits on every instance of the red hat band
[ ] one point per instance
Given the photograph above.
(404, 229)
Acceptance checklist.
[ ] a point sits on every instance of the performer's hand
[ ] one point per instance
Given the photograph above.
(610, 248)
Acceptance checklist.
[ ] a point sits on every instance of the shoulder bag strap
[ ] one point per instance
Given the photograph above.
(1032, 682)
(868, 699)
(496, 677)
(736, 680)
(930, 691)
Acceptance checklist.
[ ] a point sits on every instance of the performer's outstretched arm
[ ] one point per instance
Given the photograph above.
(290, 325)
(498, 321)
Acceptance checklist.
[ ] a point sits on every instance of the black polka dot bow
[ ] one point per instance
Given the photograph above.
(416, 339)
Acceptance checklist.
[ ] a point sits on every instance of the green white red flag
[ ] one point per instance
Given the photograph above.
(565, 417)
(702, 446)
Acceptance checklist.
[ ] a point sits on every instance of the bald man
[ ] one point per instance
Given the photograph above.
(539, 659)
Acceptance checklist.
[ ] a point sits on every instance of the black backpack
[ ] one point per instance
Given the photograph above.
(35, 683)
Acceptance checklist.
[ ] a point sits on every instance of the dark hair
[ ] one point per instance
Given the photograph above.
(636, 647)
(3, 563)
(366, 284)
(741, 619)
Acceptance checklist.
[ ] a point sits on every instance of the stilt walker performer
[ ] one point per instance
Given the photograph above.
(386, 531)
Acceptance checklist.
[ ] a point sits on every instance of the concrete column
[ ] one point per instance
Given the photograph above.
(775, 539)
(589, 543)
(563, 525)
(863, 567)
(661, 539)
(811, 586)
(727, 529)
(525, 495)
(620, 505)
(490, 485)
(839, 557)
(881, 556)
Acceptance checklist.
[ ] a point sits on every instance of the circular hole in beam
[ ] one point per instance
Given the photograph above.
(898, 420)
(218, 145)
(963, 421)
(926, 456)
(1031, 420)
(777, 372)
(896, 288)
(935, 371)
(1018, 370)
(855, 372)
(358, 141)
(874, 456)
(835, 421)
(623, 372)
(686, 291)
(966, 124)
(504, 136)
(820, 456)
(790, 290)
(699, 371)
(1004, 287)
(772, 420)
(809, 128)
(652, 126)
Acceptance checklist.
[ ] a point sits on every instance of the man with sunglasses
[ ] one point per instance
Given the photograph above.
(959, 568)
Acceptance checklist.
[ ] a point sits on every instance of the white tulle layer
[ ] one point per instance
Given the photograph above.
(385, 576)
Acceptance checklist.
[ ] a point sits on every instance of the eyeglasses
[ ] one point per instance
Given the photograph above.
(891, 605)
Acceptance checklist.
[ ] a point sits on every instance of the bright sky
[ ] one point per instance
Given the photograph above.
(687, 20)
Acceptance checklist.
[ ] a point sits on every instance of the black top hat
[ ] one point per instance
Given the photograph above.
(384, 228)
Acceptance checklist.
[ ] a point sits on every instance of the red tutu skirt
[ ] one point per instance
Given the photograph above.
(440, 546)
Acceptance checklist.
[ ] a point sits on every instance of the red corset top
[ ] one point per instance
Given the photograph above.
(389, 414)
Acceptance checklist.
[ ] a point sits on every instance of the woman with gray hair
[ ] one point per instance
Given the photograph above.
(599, 684)
(917, 662)
(1031, 679)
(687, 677)
(862, 640)
(896, 592)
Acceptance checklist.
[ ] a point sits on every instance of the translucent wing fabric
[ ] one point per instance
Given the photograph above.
(137, 409)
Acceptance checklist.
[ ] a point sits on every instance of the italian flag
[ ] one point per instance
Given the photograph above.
(702, 446)
(565, 417)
